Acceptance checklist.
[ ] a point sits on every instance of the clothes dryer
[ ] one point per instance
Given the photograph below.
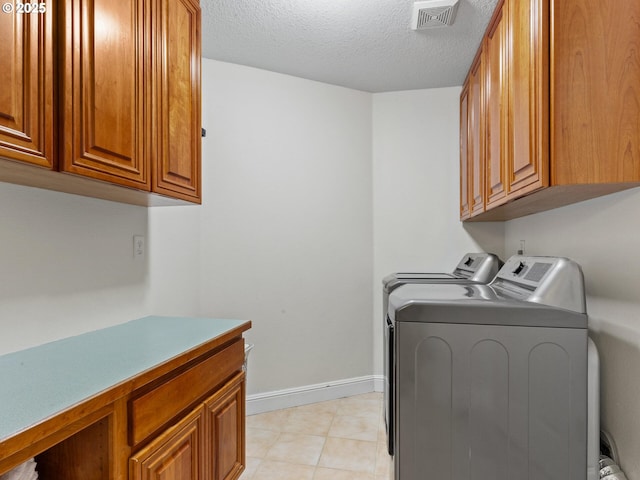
(472, 268)
(490, 381)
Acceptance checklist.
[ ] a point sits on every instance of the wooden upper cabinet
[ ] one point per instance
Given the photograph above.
(177, 58)
(26, 87)
(596, 92)
(496, 135)
(104, 90)
(105, 84)
(528, 114)
(476, 138)
(464, 152)
(570, 78)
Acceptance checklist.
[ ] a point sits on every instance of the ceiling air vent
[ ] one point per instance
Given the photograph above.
(435, 13)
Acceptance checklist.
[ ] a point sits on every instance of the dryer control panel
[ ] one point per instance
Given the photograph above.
(478, 267)
(527, 270)
(555, 281)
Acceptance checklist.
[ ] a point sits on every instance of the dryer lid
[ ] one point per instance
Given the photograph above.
(475, 304)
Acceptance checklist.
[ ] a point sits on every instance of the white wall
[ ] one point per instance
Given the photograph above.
(416, 191)
(173, 246)
(284, 237)
(287, 222)
(67, 265)
(603, 236)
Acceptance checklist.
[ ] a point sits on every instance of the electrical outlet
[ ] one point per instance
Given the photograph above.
(521, 250)
(138, 246)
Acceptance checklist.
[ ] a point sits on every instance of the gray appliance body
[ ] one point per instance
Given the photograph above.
(491, 382)
(471, 269)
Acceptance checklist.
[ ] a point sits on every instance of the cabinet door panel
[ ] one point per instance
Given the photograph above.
(105, 84)
(495, 105)
(225, 431)
(476, 138)
(528, 96)
(26, 87)
(177, 167)
(175, 455)
(596, 85)
(464, 153)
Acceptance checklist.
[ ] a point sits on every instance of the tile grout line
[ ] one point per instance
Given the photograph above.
(324, 445)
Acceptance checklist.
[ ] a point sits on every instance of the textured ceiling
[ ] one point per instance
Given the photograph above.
(362, 44)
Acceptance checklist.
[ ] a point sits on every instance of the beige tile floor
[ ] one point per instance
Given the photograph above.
(336, 440)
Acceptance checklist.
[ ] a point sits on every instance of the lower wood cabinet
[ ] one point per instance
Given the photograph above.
(225, 426)
(206, 444)
(177, 454)
(180, 417)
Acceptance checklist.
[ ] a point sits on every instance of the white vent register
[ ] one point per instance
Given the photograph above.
(434, 13)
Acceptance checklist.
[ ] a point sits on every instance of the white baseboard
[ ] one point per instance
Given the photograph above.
(321, 392)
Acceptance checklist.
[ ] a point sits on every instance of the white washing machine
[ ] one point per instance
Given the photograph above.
(490, 381)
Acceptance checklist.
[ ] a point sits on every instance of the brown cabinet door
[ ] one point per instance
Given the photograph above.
(596, 92)
(495, 47)
(174, 455)
(464, 152)
(476, 138)
(26, 86)
(225, 419)
(104, 88)
(528, 96)
(177, 98)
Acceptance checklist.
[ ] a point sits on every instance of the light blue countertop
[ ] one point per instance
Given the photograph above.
(42, 381)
